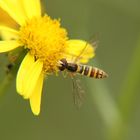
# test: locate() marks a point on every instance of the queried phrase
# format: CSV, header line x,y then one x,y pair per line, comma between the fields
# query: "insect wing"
x,y
79,51
78,93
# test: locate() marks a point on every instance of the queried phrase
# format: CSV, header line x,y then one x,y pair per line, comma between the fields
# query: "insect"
x,y
82,69
75,68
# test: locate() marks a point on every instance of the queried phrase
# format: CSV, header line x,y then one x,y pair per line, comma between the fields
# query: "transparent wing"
x,y
79,51
78,92
79,56
91,43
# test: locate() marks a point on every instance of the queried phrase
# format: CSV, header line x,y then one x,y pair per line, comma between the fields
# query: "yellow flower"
x,y
8,21
46,43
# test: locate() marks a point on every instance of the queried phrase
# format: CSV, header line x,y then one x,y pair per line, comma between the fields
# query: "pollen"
x,y
46,40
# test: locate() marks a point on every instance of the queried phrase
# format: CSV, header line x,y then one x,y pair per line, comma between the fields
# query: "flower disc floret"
x,y
46,40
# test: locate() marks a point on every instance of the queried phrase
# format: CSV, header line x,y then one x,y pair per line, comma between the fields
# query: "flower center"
x,y
46,41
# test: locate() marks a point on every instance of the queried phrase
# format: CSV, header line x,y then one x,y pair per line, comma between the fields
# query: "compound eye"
x,y
63,60
63,64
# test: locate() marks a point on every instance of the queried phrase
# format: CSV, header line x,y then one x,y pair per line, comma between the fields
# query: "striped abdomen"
x,y
91,71
81,69
86,70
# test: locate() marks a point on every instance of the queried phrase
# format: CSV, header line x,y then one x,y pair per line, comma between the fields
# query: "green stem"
x,y
108,110
128,93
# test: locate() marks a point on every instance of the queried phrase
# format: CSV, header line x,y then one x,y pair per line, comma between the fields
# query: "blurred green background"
x,y
112,109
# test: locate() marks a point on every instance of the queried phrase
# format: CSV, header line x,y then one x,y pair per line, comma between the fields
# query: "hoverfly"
x,y
75,68
86,70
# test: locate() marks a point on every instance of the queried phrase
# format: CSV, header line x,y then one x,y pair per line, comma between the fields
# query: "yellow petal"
x,y
7,33
5,19
4,28
24,67
31,78
32,8
14,9
35,99
79,51
8,45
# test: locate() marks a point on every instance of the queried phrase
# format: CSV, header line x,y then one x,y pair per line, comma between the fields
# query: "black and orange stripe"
x,y
90,71
82,69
